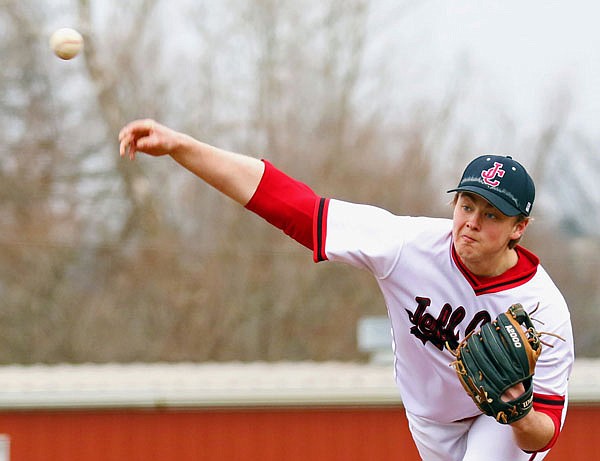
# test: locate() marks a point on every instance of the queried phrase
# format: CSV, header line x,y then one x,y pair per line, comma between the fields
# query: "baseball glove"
x,y
498,356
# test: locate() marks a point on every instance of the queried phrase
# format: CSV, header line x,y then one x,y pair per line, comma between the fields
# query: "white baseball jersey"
x,y
431,299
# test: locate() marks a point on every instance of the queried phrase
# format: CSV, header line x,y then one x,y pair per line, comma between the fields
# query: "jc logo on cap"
x,y
489,175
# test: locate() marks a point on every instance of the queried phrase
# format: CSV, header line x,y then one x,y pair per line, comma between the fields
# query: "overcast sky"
x,y
511,59
521,51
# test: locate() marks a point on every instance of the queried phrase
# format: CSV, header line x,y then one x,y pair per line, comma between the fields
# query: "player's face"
x,y
481,234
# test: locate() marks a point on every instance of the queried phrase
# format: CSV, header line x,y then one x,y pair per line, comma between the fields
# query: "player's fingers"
x,y
123,133
129,148
137,128
128,130
143,127
140,136
125,144
149,144
132,150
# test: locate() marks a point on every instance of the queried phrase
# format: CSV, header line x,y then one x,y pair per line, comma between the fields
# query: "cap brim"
x,y
493,199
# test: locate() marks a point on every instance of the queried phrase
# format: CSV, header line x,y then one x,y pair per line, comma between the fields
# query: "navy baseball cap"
x,y
500,180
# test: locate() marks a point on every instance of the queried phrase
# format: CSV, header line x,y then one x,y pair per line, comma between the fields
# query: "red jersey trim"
x,y
520,274
320,230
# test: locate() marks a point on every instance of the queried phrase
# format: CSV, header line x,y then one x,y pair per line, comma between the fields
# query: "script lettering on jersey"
x,y
440,330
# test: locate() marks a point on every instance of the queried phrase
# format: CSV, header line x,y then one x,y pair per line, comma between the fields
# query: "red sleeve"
x,y
288,204
552,405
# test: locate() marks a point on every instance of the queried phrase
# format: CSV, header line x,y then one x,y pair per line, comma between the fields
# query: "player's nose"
x,y
473,221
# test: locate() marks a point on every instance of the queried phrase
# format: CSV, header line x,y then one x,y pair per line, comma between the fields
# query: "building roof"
x,y
217,385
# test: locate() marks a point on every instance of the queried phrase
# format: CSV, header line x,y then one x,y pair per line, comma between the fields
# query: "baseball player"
x,y
441,280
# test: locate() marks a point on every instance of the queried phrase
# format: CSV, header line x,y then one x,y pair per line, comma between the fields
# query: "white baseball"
x,y
66,43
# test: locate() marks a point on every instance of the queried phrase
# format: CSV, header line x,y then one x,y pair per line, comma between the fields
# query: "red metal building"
x,y
266,412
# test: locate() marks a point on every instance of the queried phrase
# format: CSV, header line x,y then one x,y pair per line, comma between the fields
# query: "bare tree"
x,y
108,260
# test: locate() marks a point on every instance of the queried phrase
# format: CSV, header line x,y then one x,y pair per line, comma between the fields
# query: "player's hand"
x,y
149,137
513,392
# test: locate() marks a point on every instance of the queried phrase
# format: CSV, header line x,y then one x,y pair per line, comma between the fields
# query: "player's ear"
x,y
519,228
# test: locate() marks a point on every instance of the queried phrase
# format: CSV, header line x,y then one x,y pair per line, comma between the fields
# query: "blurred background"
x,y
381,102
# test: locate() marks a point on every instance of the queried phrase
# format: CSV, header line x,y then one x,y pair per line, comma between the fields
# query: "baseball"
x,y
66,43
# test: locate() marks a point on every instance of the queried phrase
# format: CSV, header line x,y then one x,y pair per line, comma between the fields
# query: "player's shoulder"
x,y
340,209
432,224
549,291
541,291
544,284
426,229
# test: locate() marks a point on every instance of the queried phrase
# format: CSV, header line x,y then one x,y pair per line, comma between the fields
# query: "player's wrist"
x,y
533,431
183,144
524,423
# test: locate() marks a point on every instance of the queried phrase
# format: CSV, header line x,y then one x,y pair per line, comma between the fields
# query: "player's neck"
x,y
493,267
